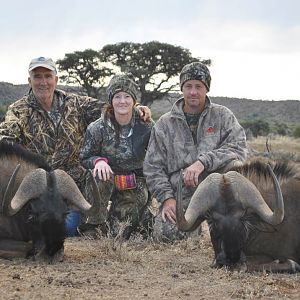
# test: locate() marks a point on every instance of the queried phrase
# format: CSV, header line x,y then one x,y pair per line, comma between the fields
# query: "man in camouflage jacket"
x,y
51,122
197,136
28,124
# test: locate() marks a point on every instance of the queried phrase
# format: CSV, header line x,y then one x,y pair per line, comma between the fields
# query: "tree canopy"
x,y
84,68
154,66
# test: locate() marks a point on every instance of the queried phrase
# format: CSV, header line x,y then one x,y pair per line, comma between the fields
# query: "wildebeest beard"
x,y
228,235
47,221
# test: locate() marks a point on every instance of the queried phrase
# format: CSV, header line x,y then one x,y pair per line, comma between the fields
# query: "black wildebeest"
x,y
34,202
253,213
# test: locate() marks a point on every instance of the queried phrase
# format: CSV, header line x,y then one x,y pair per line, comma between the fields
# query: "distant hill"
x,y
10,92
244,109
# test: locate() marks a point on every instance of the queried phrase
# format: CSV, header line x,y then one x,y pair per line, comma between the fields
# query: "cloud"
x,y
254,45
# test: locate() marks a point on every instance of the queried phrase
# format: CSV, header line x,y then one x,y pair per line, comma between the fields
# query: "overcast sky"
x,y
254,44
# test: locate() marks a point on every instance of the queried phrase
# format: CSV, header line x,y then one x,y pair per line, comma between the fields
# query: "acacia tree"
x,y
154,65
85,69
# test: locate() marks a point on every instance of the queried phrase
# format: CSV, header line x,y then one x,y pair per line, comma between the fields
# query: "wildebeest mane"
x,y
257,171
9,149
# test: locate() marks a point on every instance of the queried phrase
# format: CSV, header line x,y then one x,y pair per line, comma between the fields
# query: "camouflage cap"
x,y
44,62
195,71
122,82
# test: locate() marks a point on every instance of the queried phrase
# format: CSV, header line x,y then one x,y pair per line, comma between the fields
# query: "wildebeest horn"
x,y
205,197
247,193
32,185
96,196
70,191
8,190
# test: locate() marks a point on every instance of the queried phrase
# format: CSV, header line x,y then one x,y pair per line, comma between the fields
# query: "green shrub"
x,y
257,127
280,128
3,109
296,132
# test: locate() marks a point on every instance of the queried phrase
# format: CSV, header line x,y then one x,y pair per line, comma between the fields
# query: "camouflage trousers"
x,y
168,232
128,206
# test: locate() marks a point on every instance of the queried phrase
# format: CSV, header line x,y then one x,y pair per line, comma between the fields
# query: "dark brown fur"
x,y
9,150
238,234
40,221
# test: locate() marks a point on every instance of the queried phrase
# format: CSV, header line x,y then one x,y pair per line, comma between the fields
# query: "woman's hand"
x,y
103,170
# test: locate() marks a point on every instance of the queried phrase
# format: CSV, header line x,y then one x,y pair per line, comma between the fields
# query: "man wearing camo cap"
x,y
197,136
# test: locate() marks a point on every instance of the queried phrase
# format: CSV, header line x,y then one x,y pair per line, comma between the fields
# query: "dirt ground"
x,y
137,269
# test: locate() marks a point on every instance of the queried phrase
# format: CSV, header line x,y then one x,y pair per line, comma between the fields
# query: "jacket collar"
x,y
177,108
59,97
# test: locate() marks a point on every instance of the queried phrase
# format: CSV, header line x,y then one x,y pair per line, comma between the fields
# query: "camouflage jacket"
x,y
59,142
220,140
123,156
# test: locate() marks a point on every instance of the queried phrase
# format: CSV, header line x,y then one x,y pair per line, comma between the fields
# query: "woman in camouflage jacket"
x,y
114,147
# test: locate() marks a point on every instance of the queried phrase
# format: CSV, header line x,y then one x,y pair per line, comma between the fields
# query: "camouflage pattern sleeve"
x,y
91,108
155,166
91,145
232,145
10,128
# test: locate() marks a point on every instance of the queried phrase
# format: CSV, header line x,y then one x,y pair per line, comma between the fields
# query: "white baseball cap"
x,y
44,62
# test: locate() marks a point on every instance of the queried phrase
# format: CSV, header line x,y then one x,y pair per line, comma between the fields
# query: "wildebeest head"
x,y
223,200
228,234
39,201
45,195
46,219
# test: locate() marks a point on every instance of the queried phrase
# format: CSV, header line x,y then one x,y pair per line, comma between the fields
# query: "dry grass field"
x,y
109,268
280,147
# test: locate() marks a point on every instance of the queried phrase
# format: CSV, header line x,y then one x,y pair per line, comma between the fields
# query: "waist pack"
x,y
125,182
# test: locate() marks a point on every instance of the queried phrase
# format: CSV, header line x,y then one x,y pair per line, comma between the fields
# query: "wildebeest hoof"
x,y
241,267
215,265
41,256
294,266
57,257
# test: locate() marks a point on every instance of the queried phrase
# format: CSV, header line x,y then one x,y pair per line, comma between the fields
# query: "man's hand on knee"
x,y
168,212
